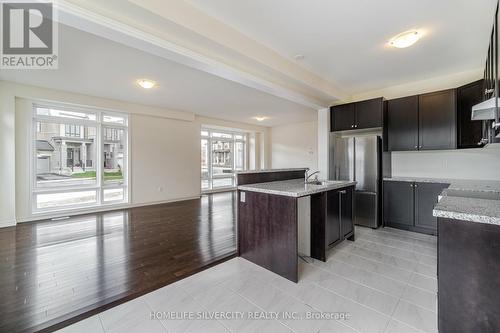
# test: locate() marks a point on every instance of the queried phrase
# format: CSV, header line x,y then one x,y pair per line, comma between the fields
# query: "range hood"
x,y
485,110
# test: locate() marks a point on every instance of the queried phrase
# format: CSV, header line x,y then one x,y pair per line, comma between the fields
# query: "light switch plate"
x,y
242,197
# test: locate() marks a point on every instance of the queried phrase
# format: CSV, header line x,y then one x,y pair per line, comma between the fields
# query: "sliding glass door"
x,y
222,153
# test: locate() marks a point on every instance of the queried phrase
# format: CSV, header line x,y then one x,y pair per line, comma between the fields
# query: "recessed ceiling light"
x,y
260,118
298,57
146,84
405,39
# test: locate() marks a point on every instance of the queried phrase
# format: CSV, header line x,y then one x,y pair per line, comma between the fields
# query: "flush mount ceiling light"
x,y
405,39
260,118
298,57
146,84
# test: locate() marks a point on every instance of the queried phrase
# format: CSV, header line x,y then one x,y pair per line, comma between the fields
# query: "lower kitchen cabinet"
x,y
426,197
398,204
339,215
409,205
468,277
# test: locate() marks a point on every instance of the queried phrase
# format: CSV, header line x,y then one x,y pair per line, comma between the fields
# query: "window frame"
x,y
232,141
99,185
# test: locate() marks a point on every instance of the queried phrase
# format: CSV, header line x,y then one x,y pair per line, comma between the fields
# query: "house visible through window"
x,y
222,153
80,158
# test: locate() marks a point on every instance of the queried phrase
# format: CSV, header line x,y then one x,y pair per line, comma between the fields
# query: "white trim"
x,y
8,223
98,209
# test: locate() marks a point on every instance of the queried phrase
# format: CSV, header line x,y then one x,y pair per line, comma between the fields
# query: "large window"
x,y
222,153
79,158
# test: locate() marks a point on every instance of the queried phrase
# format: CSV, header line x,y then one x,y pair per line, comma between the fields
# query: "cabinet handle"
x,y
352,126
415,185
356,126
416,147
343,192
419,147
489,91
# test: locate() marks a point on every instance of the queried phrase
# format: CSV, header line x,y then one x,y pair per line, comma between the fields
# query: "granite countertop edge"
x,y
296,193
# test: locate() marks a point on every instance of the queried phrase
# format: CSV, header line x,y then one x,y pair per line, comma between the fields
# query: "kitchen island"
x,y
468,215
270,214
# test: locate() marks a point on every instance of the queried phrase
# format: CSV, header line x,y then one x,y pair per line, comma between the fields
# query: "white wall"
x,y
165,163
165,148
474,163
323,143
295,145
7,158
423,86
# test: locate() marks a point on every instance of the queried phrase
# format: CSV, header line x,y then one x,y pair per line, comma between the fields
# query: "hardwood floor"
x,y
54,273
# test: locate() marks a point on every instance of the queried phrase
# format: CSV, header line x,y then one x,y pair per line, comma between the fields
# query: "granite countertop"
x,y
465,199
269,170
295,187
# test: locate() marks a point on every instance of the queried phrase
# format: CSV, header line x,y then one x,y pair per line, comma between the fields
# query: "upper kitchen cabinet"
x,y
469,132
359,115
369,113
402,124
342,117
437,120
422,122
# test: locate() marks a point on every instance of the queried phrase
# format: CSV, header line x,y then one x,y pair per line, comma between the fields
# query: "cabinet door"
x,y
426,197
346,211
398,203
369,113
333,232
437,120
342,117
469,132
402,124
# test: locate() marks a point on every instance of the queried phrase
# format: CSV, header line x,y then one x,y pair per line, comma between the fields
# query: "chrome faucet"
x,y
310,175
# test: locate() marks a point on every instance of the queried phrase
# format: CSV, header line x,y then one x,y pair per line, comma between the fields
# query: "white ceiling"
x,y
96,66
345,41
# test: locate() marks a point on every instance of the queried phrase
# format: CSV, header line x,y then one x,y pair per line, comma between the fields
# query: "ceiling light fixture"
x,y
405,39
260,118
298,57
146,84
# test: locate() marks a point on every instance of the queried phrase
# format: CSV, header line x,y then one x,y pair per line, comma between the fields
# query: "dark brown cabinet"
x,y
402,124
369,113
437,120
409,205
426,197
422,122
339,215
469,132
468,271
398,204
343,117
358,115
333,218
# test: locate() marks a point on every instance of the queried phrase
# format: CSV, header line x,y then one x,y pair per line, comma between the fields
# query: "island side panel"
x,y
468,276
318,226
267,232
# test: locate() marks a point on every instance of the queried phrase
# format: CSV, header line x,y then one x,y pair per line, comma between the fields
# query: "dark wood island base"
x,y
268,226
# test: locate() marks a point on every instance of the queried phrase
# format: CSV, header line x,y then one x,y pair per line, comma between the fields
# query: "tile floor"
x,y
384,282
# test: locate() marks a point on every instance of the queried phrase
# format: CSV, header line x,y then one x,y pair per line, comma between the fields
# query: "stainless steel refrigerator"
x,y
359,159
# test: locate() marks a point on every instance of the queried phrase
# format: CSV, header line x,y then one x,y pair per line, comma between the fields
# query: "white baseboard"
x,y
91,210
7,223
